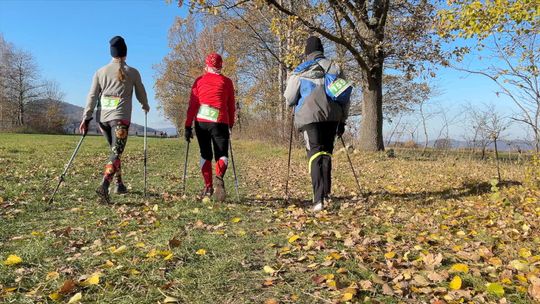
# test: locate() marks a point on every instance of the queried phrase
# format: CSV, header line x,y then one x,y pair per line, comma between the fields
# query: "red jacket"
x,y
216,91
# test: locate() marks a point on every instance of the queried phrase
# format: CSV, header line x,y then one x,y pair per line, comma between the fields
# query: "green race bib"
x,y
338,86
207,112
110,102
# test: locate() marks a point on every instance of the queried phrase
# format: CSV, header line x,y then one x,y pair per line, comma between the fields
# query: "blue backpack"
x,y
337,89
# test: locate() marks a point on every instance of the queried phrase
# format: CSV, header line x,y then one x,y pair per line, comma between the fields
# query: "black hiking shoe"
x,y
207,192
219,185
120,189
103,193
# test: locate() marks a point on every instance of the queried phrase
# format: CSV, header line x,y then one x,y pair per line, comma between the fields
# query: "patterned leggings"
x,y
116,133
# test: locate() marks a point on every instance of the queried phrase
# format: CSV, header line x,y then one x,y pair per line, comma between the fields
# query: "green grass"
x,y
416,209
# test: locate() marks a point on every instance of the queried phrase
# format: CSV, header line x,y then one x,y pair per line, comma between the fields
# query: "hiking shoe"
x,y
220,189
120,189
103,193
317,207
207,191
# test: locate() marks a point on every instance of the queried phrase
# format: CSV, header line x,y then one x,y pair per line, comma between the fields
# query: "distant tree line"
x,y
28,103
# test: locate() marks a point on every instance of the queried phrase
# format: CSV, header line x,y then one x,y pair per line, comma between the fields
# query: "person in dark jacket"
x,y
212,106
318,117
112,91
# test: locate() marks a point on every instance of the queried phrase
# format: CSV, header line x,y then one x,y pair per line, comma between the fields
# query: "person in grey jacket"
x,y
318,117
112,90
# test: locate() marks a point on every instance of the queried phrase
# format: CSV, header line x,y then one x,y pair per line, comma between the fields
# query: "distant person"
x,y
112,90
212,106
317,115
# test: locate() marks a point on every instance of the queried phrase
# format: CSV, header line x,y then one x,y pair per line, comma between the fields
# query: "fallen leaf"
x,y
236,220
174,242
119,250
108,264
524,253
201,252
53,275
76,298
67,287
347,297
169,299
12,259
269,269
519,265
455,284
534,288
459,268
389,255
91,280
55,296
37,233
293,238
496,289
420,280
387,290
134,272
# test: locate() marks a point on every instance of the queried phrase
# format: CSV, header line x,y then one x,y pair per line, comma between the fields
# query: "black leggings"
x,y
319,139
212,134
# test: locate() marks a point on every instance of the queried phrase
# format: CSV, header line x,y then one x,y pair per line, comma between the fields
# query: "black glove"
x,y
340,129
188,134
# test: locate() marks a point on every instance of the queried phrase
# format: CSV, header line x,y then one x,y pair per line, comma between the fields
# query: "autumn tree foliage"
x,y
251,59
374,35
506,36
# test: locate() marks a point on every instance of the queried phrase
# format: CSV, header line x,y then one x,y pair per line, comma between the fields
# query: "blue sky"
x,y
69,40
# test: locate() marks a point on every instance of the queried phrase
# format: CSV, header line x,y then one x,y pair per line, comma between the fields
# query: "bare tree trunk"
x,y
372,117
536,141
425,128
391,135
497,160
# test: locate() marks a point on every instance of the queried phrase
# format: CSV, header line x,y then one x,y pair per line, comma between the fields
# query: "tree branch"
x,y
324,33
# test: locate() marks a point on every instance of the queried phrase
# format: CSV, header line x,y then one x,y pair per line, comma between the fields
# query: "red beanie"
x,y
214,60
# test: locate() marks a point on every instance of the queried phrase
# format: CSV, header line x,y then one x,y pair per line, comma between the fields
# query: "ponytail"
x,y
121,72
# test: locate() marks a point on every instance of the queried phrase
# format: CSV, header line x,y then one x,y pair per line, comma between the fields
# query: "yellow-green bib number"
x,y
110,102
207,112
339,86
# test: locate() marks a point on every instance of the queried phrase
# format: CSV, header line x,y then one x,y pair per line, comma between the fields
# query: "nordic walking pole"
x,y
185,171
62,177
350,163
145,146
234,171
289,160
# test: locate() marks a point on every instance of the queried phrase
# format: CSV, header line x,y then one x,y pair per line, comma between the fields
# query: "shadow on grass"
x,y
281,202
465,190
370,199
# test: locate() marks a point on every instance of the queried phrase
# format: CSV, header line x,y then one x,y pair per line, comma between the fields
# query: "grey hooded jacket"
x,y
113,96
305,91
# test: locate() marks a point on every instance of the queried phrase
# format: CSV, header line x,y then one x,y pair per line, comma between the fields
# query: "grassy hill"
x,y
73,114
421,231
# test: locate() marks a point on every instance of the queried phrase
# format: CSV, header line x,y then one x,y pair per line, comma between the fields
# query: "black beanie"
x,y
313,44
118,47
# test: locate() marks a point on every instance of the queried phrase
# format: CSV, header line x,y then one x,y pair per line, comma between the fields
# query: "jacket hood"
x,y
314,67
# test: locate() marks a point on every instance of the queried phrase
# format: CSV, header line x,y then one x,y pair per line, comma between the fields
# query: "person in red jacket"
x,y
212,106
